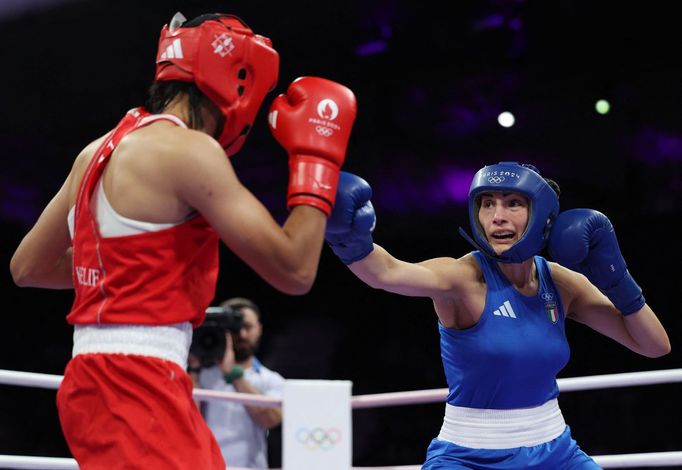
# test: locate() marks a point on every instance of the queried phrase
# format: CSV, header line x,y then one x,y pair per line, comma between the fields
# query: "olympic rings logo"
x,y
318,438
324,131
495,179
547,296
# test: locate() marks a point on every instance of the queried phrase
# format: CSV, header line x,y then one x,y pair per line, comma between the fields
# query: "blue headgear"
x,y
544,207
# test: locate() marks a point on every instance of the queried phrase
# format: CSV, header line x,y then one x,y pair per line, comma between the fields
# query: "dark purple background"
x,y
430,82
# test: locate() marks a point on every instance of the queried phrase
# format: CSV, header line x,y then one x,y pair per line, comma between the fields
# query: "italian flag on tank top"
x,y
552,312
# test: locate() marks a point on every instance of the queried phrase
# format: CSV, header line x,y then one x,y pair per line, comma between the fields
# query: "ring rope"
x,y
571,384
628,379
658,459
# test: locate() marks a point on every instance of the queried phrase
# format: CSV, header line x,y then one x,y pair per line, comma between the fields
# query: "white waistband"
x,y
502,429
169,342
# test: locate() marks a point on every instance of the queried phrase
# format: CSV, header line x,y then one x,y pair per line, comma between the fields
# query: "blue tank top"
x,y
511,357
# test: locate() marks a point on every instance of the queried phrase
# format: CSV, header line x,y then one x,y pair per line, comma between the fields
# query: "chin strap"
x,y
486,252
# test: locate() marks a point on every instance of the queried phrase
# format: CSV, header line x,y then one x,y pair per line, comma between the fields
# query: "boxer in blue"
x,y
501,311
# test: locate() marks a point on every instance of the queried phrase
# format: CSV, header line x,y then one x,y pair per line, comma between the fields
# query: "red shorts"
x,y
129,412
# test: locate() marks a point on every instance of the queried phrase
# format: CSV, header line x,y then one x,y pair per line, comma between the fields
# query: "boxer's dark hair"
x,y
162,93
554,185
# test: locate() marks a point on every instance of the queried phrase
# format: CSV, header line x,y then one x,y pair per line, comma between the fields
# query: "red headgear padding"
x,y
231,65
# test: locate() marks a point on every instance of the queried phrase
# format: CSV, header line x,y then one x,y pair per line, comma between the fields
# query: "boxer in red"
x,y
134,230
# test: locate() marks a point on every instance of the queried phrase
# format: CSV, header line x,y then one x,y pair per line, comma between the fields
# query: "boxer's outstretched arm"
x,y
432,278
349,234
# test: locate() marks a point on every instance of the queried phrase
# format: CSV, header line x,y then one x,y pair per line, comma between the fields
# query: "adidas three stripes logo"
x,y
505,310
174,51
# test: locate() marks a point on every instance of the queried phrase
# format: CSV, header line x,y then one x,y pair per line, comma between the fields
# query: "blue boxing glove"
x,y
350,225
584,240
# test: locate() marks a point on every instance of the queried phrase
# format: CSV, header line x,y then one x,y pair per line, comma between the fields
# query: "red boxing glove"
x,y
313,121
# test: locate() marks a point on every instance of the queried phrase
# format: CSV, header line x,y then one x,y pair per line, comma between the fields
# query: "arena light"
x,y
602,106
506,119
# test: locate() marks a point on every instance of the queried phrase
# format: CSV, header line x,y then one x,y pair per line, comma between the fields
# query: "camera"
x,y
208,341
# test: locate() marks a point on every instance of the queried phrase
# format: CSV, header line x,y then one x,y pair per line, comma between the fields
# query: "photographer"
x,y
222,357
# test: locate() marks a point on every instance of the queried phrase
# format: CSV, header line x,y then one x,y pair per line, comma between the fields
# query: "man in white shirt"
x,y
241,431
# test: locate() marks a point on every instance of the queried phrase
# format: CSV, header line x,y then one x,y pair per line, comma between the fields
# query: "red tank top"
x,y
154,278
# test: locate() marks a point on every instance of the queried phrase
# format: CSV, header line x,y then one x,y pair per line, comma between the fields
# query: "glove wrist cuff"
x,y
354,251
312,176
309,200
626,295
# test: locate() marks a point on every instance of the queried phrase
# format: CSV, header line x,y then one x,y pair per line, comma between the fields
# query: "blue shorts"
x,y
561,453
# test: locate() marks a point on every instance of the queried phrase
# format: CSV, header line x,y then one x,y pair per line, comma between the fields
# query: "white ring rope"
x,y
572,384
236,397
651,459
49,463
31,379
52,463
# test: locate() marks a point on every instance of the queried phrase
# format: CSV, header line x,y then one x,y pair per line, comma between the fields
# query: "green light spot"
x,y
602,106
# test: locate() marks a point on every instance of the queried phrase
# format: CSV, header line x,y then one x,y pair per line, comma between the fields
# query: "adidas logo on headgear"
x,y
174,51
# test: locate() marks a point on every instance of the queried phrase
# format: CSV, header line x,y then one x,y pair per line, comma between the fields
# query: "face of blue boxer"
x,y
503,216
514,223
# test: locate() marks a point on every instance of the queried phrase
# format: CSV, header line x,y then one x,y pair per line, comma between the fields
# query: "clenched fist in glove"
x,y
349,229
584,240
313,122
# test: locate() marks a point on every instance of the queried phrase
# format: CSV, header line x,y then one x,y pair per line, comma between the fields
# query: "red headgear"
x,y
231,65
